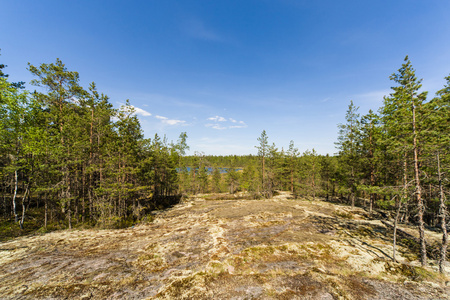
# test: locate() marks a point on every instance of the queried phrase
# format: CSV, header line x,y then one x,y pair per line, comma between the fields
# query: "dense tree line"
x,y
399,158
66,151
263,174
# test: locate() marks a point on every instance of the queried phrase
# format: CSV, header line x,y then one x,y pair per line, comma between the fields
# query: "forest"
x,y
69,159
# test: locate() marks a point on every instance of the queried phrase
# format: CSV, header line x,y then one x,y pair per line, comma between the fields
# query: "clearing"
x,y
225,249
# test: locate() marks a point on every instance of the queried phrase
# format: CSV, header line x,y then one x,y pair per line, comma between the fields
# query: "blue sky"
x,y
223,71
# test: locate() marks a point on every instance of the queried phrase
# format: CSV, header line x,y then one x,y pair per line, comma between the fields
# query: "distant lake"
x,y
210,170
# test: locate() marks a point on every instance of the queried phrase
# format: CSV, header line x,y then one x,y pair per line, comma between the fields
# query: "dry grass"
x,y
222,249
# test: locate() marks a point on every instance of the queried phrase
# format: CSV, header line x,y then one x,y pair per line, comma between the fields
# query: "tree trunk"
x,y
420,205
443,215
398,205
83,188
314,182
14,198
5,204
372,171
46,212
352,195
23,206
372,184
292,181
69,214
263,176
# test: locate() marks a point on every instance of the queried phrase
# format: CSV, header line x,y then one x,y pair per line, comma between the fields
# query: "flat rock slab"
x,y
221,249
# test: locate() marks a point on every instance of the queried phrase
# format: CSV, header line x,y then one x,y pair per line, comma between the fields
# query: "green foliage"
x,y
66,149
87,162
216,181
348,145
233,179
310,172
250,180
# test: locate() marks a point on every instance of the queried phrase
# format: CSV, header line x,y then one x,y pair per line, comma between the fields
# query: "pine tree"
x,y
250,180
328,167
401,112
370,154
437,146
263,151
292,164
63,90
348,149
14,124
311,173
216,181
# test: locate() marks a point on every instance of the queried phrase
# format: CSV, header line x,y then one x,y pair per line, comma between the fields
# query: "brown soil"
x,y
223,249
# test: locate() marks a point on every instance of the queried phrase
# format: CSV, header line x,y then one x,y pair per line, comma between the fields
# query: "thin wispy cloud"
x,y
373,96
237,126
370,100
221,123
198,30
174,122
155,100
217,119
75,100
168,121
141,112
216,126
432,85
164,120
135,110
274,102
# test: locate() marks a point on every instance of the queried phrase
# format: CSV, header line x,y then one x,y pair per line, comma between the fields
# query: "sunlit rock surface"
x,y
225,249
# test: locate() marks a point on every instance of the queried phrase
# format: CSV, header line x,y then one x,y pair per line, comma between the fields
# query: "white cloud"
x,y
140,111
173,122
242,124
75,100
216,126
168,121
164,120
217,119
222,120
